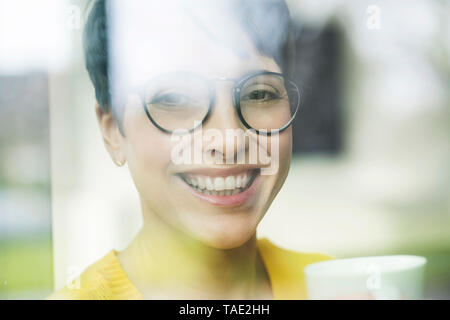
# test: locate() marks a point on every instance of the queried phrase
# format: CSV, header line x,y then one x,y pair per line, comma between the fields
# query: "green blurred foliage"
x,y
26,268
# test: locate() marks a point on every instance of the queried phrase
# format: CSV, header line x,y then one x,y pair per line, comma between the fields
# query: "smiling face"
x,y
215,202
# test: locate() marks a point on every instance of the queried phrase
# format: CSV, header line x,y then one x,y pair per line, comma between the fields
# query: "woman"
x,y
194,97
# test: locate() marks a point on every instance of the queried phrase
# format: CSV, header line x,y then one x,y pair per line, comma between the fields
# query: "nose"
x,y
225,134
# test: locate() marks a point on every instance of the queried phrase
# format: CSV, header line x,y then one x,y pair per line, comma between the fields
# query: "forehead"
x,y
149,38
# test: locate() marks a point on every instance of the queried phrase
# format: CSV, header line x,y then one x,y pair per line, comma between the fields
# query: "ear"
x,y
112,137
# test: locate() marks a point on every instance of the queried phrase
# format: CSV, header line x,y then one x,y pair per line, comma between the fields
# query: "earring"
x,y
119,163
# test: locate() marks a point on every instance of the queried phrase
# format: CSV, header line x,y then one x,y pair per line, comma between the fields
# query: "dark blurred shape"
x,y
318,126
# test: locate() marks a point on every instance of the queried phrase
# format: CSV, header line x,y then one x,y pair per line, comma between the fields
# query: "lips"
x,y
222,188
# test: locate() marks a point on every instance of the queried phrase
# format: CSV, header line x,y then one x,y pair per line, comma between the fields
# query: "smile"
x,y
223,189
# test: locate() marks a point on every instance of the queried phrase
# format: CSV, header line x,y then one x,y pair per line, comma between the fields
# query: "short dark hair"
x,y
267,23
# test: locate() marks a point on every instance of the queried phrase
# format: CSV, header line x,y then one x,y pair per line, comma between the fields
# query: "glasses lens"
x,y
178,101
268,102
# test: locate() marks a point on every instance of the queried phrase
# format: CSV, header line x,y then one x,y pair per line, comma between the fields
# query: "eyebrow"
x,y
212,78
254,71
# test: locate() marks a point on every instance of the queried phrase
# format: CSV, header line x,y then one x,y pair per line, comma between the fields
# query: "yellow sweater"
x,y
106,280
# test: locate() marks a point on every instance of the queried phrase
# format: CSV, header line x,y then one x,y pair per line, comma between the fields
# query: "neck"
x,y
163,262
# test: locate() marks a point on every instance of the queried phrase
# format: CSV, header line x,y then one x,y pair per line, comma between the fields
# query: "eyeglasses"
x,y
265,101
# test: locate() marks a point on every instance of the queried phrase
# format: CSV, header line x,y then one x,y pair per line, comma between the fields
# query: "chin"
x,y
227,238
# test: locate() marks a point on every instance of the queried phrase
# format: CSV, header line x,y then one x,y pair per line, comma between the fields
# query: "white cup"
x,y
379,277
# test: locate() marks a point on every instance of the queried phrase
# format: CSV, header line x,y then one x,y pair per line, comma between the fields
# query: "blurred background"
x,y
370,173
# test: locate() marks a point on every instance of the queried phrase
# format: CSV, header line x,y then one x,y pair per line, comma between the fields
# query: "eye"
x,y
260,95
170,99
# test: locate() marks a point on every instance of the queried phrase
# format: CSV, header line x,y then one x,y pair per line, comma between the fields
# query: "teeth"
x,y
238,181
220,186
209,184
201,182
230,183
244,180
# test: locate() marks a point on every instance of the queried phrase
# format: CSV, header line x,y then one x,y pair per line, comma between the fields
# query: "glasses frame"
x,y
239,83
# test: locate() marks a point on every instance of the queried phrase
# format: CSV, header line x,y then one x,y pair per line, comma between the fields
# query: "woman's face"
x,y
177,194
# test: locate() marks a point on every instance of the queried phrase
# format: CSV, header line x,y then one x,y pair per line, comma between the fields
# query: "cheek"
x,y
146,148
147,154
286,147
283,158
280,150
